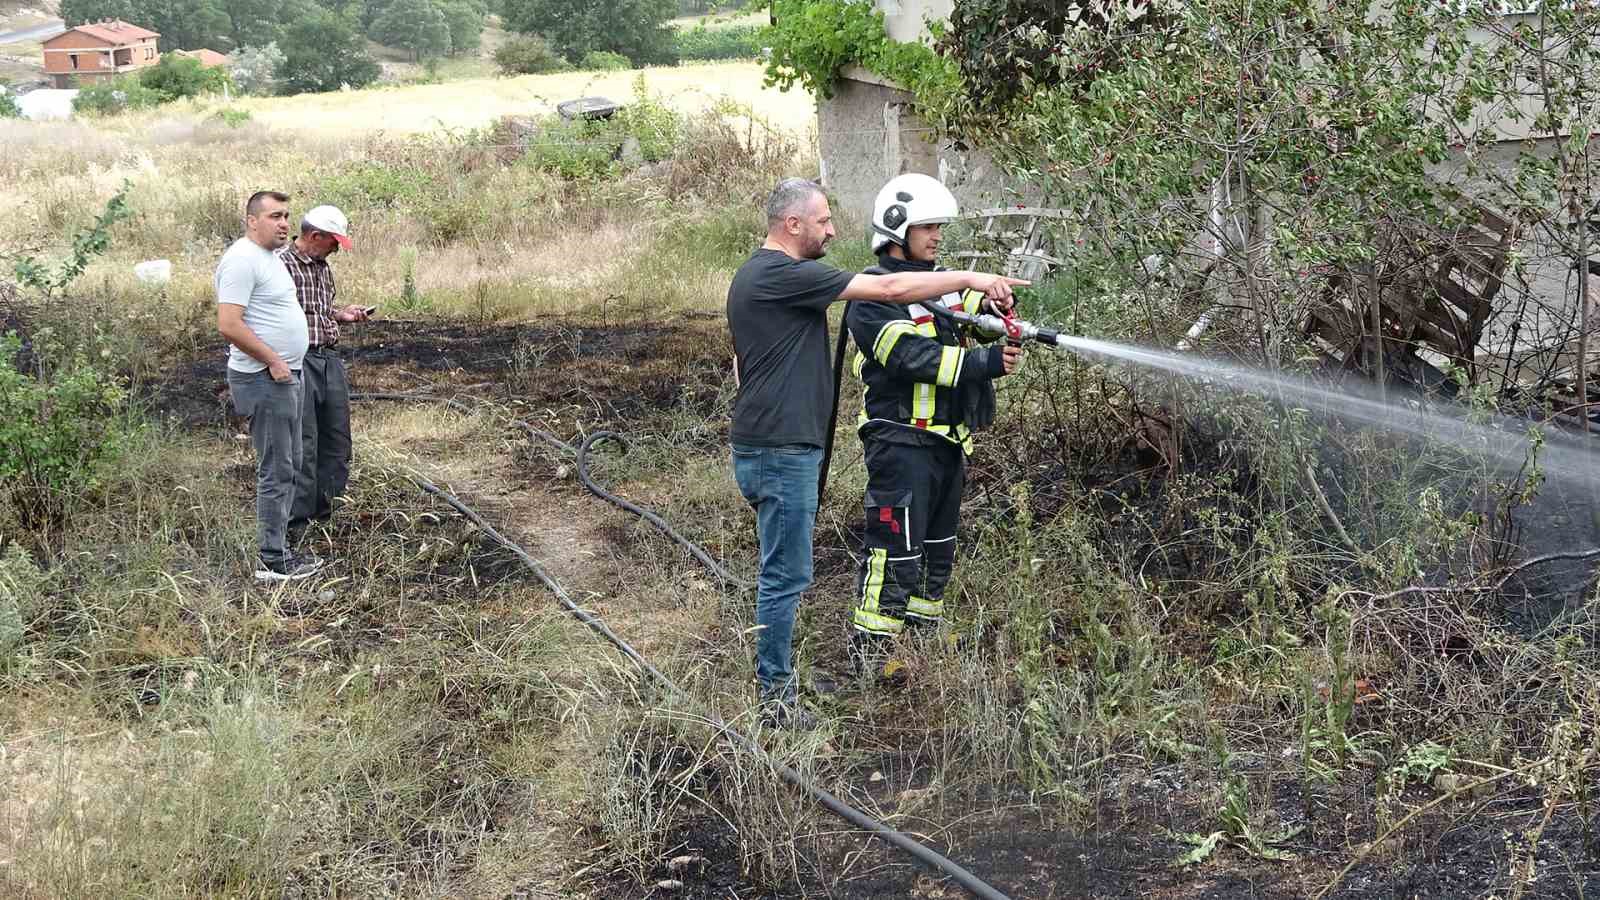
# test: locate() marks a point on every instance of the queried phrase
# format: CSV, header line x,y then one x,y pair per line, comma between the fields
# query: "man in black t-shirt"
x,y
777,312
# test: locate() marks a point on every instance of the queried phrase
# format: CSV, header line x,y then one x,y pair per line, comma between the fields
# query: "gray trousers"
x,y
274,411
325,438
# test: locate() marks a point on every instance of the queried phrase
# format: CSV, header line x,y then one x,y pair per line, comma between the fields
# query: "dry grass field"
x,y
474,103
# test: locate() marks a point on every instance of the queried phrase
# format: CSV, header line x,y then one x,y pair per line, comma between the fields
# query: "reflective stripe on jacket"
x,y
913,364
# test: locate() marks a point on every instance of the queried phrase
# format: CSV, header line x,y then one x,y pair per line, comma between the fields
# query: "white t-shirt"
x,y
254,278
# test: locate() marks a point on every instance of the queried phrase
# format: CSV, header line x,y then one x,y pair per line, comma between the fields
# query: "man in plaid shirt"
x,y
325,389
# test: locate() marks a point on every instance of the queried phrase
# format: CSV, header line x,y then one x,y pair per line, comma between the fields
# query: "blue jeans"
x,y
780,483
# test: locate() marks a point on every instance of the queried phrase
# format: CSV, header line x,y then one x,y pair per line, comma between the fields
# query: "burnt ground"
x,y
616,374
1124,845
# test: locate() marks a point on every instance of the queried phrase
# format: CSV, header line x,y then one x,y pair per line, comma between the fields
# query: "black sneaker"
x,y
294,568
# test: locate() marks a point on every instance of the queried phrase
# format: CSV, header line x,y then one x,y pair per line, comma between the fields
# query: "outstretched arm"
x,y
915,287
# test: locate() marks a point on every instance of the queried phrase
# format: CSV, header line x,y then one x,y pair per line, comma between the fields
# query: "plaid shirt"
x,y
313,281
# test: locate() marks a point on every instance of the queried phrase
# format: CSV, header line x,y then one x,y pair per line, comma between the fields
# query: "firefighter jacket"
x,y
925,384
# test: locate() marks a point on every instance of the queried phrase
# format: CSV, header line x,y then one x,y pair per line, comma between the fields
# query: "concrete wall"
x,y
867,134
904,19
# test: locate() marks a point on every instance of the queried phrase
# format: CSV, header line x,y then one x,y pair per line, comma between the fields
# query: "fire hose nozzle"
x,y
1014,329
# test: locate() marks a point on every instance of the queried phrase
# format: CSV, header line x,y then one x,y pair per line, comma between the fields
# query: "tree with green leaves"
x,y
322,52
636,29
1278,156
415,25
465,21
175,77
255,69
78,12
182,24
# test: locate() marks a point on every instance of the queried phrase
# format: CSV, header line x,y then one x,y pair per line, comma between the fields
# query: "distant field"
x,y
476,102
726,20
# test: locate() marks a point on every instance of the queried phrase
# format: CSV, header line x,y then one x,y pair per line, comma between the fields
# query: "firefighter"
x,y
927,389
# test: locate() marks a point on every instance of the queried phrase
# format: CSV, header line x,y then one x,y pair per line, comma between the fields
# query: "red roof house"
x,y
102,49
208,58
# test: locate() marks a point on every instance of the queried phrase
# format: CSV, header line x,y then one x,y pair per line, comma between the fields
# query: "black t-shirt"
x,y
777,310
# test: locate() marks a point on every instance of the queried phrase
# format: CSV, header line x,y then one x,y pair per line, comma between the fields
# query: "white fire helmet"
x,y
907,200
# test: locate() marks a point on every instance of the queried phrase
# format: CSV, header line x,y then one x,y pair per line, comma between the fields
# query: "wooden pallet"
x,y
1434,315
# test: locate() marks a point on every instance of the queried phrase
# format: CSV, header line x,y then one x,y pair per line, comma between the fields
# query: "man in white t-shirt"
x,y
260,315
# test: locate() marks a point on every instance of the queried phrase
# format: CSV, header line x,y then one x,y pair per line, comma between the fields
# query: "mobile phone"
x,y
368,310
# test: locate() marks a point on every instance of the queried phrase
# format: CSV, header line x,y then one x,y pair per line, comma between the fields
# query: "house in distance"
x,y
103,49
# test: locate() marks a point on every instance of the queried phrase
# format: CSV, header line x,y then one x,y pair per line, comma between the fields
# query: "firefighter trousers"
x,y
913,505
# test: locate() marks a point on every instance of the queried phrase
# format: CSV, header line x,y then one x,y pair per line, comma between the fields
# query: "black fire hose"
x,y
641,512
833,413
833,804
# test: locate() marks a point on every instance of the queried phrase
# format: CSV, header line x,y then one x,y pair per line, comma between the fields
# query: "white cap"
x,y
330,220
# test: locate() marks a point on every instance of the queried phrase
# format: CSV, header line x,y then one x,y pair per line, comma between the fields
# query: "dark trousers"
x,y
274,412
913,507
324,466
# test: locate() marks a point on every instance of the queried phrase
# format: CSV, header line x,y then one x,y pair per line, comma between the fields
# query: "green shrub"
x,y
637,29
592,148
255,69
655,125
49,280
8,107
528,54
113,95
375,184
233,118
63,424
577,150
731,42
604,61
176,77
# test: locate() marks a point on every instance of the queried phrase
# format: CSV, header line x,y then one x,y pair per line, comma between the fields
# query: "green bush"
x,y
376,185
113,95
233,118
732,42
176,77
656,126
593,148
51,279
8,107
637,29
528,55
63,424
604,61
577,150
